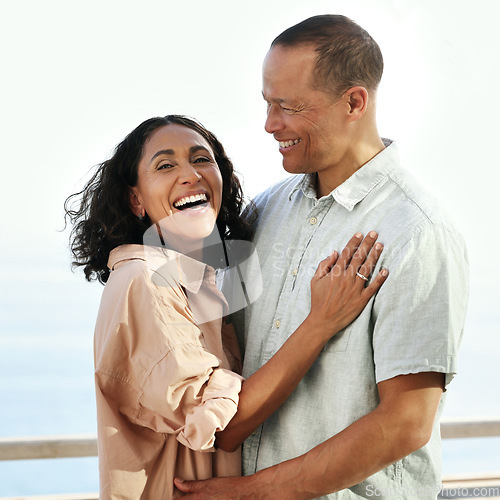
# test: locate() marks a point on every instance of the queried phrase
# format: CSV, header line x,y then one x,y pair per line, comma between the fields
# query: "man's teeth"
x,y
190,199
287,144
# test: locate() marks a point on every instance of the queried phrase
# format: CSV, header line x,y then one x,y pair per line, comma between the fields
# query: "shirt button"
x,y
313,220
294,272
277,323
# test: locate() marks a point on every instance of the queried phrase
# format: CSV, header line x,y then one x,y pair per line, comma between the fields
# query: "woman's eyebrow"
x,y
171,152
195,149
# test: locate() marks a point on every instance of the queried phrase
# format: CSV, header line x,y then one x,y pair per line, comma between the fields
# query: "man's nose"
x,y
274,121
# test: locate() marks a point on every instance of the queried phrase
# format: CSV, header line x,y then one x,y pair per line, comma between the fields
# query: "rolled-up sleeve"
x,y
189,395
219,404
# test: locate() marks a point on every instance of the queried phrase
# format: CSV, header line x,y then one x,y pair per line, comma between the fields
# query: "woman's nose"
x,y
188,174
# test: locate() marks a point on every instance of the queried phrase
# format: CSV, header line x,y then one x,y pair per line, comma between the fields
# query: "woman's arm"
x,y
338,295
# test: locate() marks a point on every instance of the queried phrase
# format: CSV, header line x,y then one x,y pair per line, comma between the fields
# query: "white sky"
x,y
78,76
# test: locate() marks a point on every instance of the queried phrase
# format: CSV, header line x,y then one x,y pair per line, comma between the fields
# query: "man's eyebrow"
x,y
278,100
171,152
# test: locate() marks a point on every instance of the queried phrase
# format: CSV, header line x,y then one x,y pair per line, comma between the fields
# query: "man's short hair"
x,y
347,55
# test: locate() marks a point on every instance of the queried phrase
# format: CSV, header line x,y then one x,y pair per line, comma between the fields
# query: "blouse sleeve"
x,y
182,390
189,395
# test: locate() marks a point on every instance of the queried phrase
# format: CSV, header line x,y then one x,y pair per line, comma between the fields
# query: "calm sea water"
x,y
46,388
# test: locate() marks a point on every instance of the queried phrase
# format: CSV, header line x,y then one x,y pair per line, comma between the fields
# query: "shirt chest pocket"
x,y
338,343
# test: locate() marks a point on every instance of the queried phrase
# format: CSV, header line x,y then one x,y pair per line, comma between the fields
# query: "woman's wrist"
x,y
320,329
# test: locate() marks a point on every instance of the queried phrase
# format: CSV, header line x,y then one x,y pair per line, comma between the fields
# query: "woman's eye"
x,y
163,166
201,159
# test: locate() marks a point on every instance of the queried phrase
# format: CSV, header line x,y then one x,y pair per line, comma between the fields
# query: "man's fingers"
x,y
223,488
188,486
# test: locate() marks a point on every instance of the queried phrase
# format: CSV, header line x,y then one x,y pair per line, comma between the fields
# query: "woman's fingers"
x,y
349,250
365,260
376,282
361,256
340,288
366,268
357,260
325,266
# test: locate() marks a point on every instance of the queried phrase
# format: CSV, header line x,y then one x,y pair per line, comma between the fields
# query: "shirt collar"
x,y
189,272
356,187
307,185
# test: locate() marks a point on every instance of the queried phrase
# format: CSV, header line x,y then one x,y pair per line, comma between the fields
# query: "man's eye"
x,y
288,110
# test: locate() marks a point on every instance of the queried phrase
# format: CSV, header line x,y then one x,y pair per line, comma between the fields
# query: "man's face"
x,y
309,124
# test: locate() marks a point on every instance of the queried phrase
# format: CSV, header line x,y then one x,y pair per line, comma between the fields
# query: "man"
x,y
364,421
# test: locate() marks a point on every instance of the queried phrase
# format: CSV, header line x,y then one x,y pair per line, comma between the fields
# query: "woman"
x,y
170,401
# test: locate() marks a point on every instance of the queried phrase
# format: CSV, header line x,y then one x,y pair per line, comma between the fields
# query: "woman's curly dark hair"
x,y
103,219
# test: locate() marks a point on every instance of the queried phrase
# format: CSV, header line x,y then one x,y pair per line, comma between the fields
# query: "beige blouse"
x,y
165,375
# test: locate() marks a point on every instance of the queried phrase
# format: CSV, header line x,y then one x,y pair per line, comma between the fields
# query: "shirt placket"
x,y
278,332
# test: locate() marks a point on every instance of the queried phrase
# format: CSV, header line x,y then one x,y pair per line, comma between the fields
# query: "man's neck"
x,y
329,180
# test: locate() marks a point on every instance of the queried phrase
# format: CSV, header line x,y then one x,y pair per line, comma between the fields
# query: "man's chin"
x,y
293,168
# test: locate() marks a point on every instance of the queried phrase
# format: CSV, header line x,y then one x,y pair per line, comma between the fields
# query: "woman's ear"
x,y
135,203
357,98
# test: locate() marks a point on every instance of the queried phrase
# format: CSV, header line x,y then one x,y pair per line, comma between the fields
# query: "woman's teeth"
x,y
190,199
287,144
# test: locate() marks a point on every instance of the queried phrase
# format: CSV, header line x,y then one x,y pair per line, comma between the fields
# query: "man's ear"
x,y
135,203
357,99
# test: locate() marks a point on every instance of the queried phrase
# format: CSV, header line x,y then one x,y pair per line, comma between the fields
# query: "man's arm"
x,y
400,425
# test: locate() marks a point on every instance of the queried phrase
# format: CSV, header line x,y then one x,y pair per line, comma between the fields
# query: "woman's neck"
x,y
209,249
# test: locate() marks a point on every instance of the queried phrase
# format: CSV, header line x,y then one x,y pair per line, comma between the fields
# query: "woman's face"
x,y
179,184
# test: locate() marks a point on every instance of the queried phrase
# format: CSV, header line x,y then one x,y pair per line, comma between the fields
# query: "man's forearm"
x,y
344,460
400,425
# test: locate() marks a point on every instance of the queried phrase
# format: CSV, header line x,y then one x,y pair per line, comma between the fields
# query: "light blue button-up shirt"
x,y
414,324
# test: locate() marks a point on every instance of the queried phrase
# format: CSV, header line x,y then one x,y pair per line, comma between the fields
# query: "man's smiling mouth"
x,y
287,144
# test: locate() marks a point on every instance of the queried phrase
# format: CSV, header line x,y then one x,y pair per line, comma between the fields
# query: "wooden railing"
x,y
468,428
22,448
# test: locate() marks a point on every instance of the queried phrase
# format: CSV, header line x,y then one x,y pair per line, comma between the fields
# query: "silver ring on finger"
x,y
361,276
